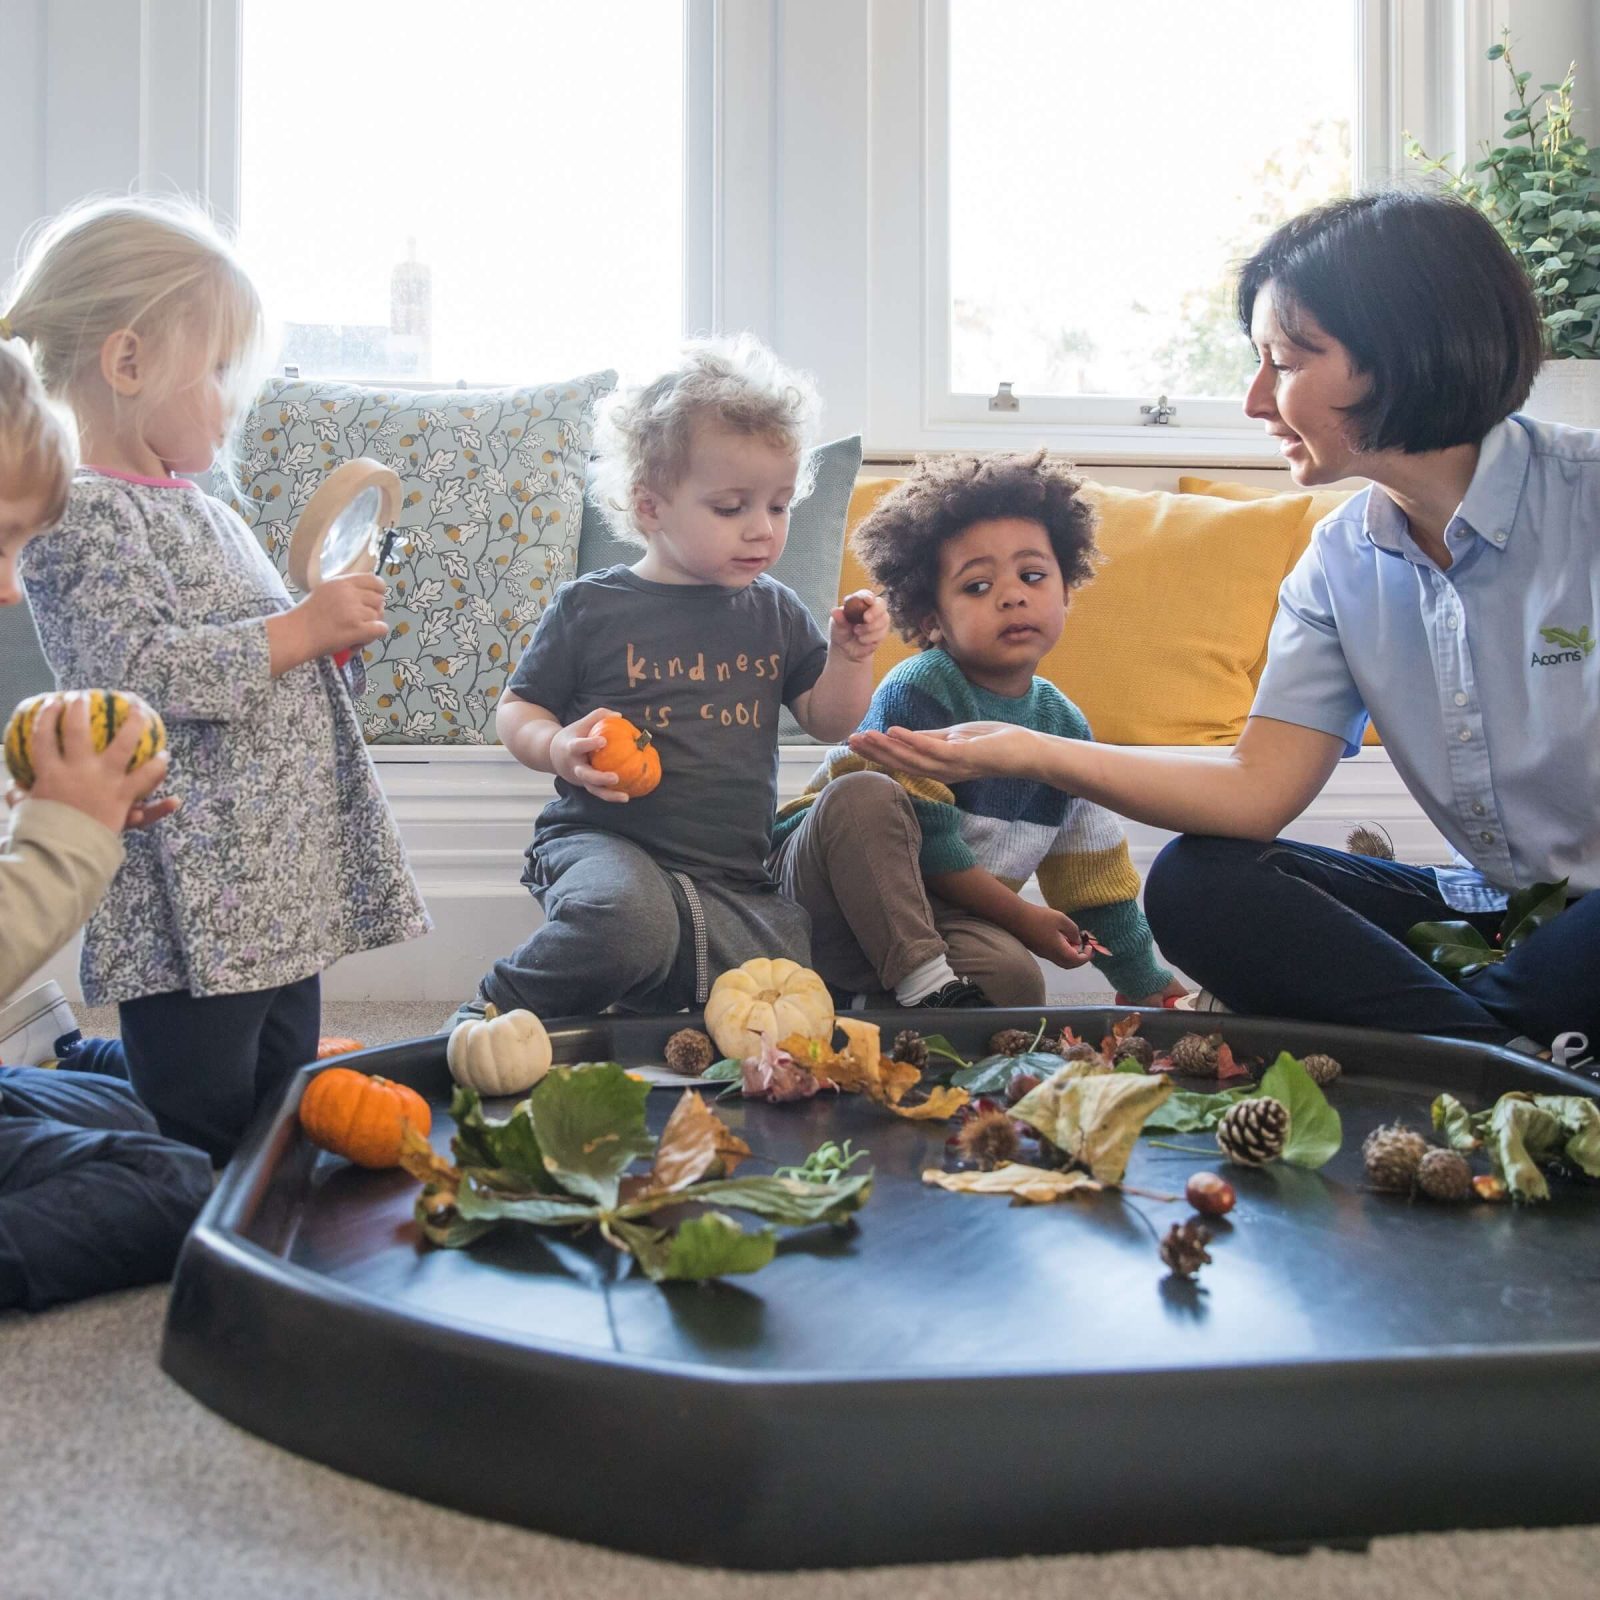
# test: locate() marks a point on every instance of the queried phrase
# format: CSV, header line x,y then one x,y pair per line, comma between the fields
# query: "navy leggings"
x,y
1295,930
203,1066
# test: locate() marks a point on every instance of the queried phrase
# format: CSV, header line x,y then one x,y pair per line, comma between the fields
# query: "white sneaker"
x,y
1202,1000
36,1027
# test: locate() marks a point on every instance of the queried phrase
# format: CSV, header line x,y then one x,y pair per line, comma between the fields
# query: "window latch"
x,y
1158,415
1003,399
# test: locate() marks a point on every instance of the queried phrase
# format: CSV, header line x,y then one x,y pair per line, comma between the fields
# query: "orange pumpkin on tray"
x,y
360,1116
629,752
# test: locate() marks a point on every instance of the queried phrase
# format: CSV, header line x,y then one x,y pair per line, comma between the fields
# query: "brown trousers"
x,y
852,863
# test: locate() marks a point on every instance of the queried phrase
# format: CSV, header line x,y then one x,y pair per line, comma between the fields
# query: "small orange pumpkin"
x,y
360,1117
629,752
330,1044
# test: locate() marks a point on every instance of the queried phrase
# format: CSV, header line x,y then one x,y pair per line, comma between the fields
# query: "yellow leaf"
x,y
1094,1116
941,1103
1037,1185
418,1158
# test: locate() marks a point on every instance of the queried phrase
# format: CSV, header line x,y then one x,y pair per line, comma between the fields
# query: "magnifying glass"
x,y
342,531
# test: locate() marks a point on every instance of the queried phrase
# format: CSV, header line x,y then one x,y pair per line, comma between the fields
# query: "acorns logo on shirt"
x,y
1569,646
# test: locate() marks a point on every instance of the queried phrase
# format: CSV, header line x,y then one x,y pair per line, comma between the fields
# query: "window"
x,y
1095,172
491,192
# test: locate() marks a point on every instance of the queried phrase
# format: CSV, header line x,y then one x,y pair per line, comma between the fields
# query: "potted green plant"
x,y
1541,189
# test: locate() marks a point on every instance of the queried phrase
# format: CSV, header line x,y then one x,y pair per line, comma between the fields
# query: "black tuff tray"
x,y
951,1377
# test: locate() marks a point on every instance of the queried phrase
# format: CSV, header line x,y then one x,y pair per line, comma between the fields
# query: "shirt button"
x,y
1454,619
1478,809
1488,838
1499,538
1465,736
1461,697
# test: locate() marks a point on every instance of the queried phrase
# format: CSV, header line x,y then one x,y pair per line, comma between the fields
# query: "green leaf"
x,y
724,1071
993,1074
1315,1132
938,1045
712,1246
787,1200
479,1201
1495,51
1520,1135
1188,1112
1462,1129
1529,909
590,1123
1580,1122
505,1150
1456,949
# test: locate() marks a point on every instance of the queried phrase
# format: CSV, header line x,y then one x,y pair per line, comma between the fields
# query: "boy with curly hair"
x,y
914,886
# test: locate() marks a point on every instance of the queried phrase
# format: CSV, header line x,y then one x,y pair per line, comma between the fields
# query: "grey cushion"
x,y
810,562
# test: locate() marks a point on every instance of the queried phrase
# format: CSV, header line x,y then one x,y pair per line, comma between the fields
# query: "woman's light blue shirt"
x,y
1483,680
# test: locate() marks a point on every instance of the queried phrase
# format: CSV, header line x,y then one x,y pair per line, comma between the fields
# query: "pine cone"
x,y
1195,1054
1445,1175
1392,1156
1184,1248
690,1052
1134,1048
1322,1069
1012,1042
989,1138
1369,842
1253,1132
909,1047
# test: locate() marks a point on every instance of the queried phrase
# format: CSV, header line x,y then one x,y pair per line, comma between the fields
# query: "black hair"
x,y
1432,306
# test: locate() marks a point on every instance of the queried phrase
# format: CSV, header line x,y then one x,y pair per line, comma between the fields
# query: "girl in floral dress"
x,y
282,856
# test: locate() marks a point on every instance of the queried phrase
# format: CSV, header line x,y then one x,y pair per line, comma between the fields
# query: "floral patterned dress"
x,y
284,856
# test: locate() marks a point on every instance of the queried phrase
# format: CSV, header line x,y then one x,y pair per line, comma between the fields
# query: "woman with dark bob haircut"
x,y
1455,602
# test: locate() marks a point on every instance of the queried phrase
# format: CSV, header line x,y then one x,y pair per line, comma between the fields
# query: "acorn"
x,y
989,1138
1445,1175
909,1047
1135,1048
1011,1042
1210,1195
1022,1083
1321,1069
690,1052
1195,1054
855,609
1392,1156
1253,1132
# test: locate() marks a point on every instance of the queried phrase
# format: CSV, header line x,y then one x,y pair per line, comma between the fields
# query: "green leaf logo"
x,y
1582,640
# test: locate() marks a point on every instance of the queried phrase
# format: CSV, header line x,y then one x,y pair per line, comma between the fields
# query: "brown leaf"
x,y
941,1103
1037,1185
694,1141
1120,1030
1227,1065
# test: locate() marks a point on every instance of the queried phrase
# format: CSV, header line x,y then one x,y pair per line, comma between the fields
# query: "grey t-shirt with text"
x,y
705,669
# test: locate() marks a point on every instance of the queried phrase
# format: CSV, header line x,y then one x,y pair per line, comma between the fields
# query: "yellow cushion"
x,y
1166,644
1323,501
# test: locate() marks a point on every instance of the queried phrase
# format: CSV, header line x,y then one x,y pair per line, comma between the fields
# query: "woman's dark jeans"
x,y
1295,930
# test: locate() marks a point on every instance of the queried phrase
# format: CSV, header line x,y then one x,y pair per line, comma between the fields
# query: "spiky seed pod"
x,y
909,1047
1392,1155
1184,1248
1134,1048
1445,1175
1012,1042
1253,1132
989,1138
1321,1069
690,1052
1195,1054
1366,841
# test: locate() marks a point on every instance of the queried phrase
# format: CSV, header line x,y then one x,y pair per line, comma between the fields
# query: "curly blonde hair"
x,y
38,443
643,435
157,267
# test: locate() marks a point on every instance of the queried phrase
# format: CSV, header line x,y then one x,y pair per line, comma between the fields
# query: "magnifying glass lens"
x,y
355,529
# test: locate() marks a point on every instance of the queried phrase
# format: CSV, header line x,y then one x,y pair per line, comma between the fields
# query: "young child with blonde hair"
x,y
283,856
647,900
91,1197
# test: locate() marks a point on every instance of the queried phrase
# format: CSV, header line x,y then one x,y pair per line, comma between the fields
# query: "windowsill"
x,y
1170,444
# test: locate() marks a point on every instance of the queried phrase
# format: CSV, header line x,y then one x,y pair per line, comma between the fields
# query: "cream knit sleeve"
x,y
53,870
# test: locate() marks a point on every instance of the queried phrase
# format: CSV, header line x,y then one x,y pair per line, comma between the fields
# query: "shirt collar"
x,y
1489,507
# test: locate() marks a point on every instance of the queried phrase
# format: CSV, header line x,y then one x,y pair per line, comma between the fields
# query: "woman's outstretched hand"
x,y
967,750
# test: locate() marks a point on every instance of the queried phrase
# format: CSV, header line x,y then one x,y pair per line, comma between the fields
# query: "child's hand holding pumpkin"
x,y
860,623
570,752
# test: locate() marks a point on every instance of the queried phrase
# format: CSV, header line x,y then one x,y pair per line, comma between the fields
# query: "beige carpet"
x,y
114,1483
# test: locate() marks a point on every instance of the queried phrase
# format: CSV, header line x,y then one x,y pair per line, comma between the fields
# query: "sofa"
x,y
1164,647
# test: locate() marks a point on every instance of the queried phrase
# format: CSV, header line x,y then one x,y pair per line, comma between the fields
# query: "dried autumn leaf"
x,y
420,1159
1122,1028
1227,1065
694,1141
774,1075
1094,1116
940,1104
1089,942
1037,1185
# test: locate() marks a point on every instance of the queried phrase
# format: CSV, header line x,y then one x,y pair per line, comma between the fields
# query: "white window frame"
x,y
1410,55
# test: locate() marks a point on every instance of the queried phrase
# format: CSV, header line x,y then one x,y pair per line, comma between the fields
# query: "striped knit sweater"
x,y
1015,828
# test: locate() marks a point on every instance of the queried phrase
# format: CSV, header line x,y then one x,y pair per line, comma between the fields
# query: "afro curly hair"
x,y
941,497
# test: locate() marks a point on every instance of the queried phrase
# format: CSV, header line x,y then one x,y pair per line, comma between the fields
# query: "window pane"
x,y
1108,166
490,191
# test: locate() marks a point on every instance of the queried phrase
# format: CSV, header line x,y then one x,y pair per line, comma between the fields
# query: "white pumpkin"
x,y
772,998
507,1053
